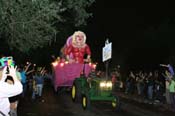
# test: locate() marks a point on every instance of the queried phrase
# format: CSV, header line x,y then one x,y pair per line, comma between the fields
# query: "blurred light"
x,y
118,66
66,62
58,58
106,85
94,66
54,63
62,64
102,84
90,63
109,84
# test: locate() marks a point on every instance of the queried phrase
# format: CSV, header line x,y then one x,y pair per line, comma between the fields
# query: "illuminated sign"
x,y
107,52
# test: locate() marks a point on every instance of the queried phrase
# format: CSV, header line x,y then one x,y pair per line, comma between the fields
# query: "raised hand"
x,y
164,65
12,72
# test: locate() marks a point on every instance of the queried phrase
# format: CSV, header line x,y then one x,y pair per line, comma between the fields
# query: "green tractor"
x,y
88,89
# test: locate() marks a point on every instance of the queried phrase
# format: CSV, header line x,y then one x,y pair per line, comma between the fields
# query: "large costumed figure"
x,y
76,48
74,51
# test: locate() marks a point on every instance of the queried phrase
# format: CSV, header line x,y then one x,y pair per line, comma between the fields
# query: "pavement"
x,y
142,102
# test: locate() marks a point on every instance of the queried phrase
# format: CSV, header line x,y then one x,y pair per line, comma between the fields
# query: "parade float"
x,y
72,70
71,62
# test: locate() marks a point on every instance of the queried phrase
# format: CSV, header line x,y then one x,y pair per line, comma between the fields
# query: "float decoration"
x,y
71,63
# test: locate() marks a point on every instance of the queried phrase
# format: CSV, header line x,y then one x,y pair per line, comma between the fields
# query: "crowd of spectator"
x,y
154,86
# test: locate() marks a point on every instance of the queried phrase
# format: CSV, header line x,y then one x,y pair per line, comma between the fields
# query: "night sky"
x,y
142,35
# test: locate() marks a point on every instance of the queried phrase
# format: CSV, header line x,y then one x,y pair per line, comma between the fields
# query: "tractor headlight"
x,y
106,85
102,84
109,84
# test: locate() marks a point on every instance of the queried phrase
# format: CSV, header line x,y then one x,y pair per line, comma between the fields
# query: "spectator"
x,y
114,81
138,84
130,83
8,90
172,93
34,87
158,88
24,72
14,99
150,86
167,76
39,83
142,83
170,68
13,105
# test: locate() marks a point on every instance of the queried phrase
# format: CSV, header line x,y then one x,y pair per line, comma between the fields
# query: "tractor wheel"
x,y
116,104
85,102
75,93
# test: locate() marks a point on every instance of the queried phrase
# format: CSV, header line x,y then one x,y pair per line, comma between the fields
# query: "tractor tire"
x,y
116,105
85,102
75,93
